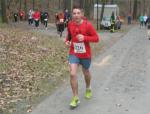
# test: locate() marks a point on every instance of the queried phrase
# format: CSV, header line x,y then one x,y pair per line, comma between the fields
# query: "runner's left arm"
x,y
92,35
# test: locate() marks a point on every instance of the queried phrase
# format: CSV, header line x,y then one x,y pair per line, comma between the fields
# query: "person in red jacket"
x,y
36,17
21,14
80,34
61,23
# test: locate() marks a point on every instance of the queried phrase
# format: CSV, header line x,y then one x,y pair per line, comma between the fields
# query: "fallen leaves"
x,y
30,67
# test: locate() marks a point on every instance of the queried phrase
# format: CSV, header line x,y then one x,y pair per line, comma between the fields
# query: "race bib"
x,y
79,48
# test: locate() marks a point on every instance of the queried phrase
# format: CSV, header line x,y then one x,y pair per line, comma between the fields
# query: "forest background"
x,y
134,7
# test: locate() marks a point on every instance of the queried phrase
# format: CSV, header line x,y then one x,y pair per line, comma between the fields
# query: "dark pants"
x,y
21,18
16,19
60,27
36,23
30,21
141,23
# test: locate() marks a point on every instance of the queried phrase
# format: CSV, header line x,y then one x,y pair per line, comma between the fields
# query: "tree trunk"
x,y
20,7
47,6
144,9
97,15
33,4
65,4
135,9
82,3
102,11
4,11
112,1
87,9
130,6
25,8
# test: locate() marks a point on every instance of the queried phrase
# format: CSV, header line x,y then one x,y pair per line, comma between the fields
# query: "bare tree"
x,y
112,2
97,1
130,6
135,9
4,11
25,8
144,8
103,8
33,4
87,8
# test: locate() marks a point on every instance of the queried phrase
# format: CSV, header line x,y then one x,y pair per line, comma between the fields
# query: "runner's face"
x,y
77,15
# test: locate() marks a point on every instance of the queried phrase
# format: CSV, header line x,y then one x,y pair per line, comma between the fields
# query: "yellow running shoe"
x,y
88,93
74,102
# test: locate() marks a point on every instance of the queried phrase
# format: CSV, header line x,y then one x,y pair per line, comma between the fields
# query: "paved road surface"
x,y
120,84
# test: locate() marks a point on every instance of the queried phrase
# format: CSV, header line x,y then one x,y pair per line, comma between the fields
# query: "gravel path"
x,y
120,81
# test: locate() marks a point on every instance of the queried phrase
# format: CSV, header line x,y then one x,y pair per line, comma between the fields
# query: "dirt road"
x,y
120,84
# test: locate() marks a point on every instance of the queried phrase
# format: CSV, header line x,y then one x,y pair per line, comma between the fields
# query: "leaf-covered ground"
x,y
31,67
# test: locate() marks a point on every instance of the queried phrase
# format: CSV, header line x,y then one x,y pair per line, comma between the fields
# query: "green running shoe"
x,y
88,93
74,102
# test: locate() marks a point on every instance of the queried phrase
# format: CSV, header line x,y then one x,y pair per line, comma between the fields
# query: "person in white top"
x,y
145,18
30,16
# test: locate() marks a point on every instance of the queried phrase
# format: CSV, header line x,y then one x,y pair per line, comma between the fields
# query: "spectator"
x,y
129,18
112,20
118,23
